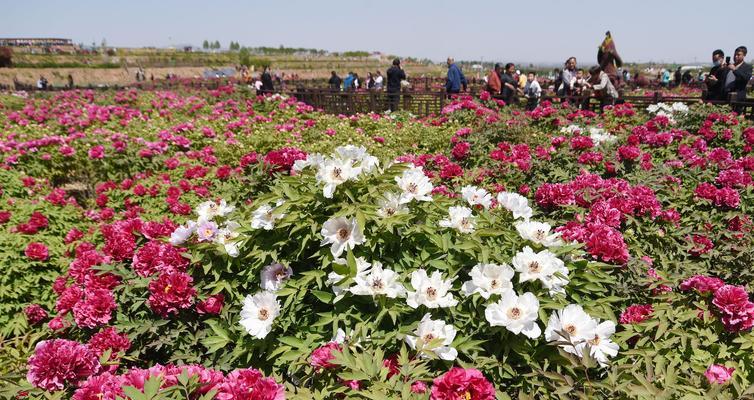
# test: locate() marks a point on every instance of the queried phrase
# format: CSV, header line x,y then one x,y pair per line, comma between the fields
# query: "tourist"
x,y
603,88
580,83
532,91
522,80
267,86
608,59
557,79
334,82
567,78
370,81
378,81
455,79
394,77
348,82
665,78
738,75
716,78
508,83
493,80
42,83
70,81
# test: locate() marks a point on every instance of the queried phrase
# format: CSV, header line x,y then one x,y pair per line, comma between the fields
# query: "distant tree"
x,y
244,58
205,44
6,57
104,43
216,45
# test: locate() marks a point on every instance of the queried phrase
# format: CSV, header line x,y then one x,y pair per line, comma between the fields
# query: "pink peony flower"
x,y
36,251
321,357
35,314
109,339
60,362
97,152
249,384
419,387
100,387
719,374
212,305
156,256
170,292
702,283
735,309
460,384
94,309
636,313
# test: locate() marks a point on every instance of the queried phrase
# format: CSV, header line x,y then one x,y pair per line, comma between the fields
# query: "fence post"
x,y
657,97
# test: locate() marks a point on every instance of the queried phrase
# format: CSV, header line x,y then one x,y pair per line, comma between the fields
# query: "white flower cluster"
x,y
346,164
209,228
260,310
265,216
668,110
574,331
599,136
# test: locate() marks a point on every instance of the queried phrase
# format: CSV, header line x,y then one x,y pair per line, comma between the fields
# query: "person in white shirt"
x,y
532,91
378,81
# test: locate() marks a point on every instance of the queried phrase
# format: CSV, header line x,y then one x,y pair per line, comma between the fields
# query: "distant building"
x,y
33,45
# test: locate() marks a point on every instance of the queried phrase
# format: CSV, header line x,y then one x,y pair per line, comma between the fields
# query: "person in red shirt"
x,y
493,80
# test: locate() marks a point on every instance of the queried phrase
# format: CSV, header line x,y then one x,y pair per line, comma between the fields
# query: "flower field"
x,y
209,244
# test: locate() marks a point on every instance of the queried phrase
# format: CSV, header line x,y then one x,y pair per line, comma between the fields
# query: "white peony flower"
x,y
599,136
539,233
206,231
432,292
342,234
535,266
518,314
274,276
181,234
264,217
334,172
258,313
415,185
208,210
556,282
572,325
570,129
600,346
333,278
434,336
391,205
358,155
312,160
516,204
488,279
477,196
378,282
227,236
679,107
459,218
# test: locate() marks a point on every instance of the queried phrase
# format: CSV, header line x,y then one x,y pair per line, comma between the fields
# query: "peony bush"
x,y
204,244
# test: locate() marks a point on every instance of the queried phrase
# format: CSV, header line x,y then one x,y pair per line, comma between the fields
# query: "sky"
x,y
536,31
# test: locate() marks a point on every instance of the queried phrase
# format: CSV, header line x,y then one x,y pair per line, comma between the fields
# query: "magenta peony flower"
x,y
249,384
109,339
419,387
60,362
702,283
170,292
97,152
212,305
36,251
100,387
636,313
35,314
460,383
156,256
735,309
94,309
719,374
321,357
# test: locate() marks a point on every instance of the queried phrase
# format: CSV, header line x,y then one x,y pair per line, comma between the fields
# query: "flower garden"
x,y
209,244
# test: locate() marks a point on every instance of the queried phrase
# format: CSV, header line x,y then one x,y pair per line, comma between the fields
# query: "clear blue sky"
x,y
500,30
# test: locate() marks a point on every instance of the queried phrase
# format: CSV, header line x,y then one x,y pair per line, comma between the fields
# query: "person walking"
x,y
493,80
370,81
455,80
348,82
334,82
394,77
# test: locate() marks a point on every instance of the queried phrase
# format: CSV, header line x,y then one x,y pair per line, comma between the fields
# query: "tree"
x,y
205,44
244,57
217,45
